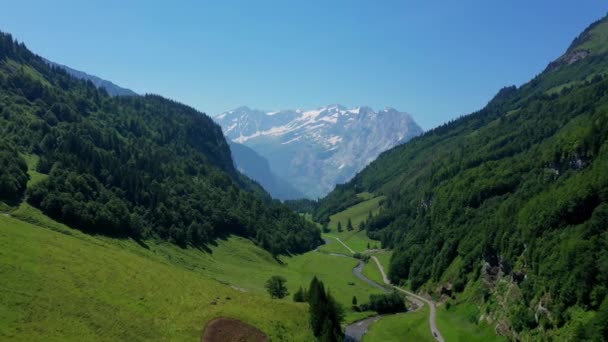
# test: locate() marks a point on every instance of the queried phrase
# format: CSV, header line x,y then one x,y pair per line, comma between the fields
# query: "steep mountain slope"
x,y
315,150
111,88
257,168
508,206
137,166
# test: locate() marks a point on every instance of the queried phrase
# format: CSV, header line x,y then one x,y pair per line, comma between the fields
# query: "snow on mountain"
x,y
317,149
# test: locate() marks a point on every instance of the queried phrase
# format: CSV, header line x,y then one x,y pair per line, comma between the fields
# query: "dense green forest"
x,y
140,166
517,191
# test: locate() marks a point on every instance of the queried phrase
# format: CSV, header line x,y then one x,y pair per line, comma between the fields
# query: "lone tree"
x,y
354,301
340,226
276,287
349,225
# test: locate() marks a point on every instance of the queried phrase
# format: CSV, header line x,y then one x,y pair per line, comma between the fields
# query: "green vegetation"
x,y
276,287
300,295
13,174
515,193
410,326
386,303
140,167
371,270
68,285
326,315
356,214
462,323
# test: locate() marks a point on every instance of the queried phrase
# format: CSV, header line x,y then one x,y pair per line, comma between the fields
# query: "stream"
x,y
354,332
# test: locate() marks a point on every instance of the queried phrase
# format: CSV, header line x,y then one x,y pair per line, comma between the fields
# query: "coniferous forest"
x,y
137,166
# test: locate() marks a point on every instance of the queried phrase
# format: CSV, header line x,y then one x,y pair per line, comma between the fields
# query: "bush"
x,y
385,303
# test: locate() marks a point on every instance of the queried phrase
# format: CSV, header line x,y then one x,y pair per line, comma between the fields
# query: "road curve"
x,y
415,297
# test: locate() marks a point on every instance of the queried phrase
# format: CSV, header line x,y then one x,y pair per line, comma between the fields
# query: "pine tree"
x,y
339,226
325,227
326,314
300,295
316,300
354,301
349,225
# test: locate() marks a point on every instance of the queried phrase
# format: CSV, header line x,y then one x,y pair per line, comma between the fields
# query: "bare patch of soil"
x,y
231,330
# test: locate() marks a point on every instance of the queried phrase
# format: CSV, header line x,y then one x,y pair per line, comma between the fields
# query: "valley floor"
x,y
60,283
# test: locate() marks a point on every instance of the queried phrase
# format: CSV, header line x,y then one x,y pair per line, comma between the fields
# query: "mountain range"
x,y
110,87
316,149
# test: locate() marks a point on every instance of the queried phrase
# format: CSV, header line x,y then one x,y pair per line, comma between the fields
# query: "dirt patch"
x,y
231,330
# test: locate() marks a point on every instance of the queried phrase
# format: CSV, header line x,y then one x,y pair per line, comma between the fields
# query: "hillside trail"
x,y
414,297
345,245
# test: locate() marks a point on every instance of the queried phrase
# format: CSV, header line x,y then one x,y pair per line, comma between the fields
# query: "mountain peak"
x,y
319,148
592,41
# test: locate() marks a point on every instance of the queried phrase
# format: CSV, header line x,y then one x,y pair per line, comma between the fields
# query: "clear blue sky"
x,y
434,59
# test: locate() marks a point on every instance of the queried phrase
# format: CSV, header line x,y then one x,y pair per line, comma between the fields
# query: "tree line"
x,y
140,167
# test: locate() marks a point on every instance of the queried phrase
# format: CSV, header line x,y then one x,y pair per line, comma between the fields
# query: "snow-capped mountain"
x,y
316,149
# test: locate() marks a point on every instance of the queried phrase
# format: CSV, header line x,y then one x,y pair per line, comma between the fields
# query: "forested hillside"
x,y
510,203
137,167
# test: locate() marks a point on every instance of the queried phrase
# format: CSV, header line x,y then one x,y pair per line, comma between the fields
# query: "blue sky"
x,y
434,59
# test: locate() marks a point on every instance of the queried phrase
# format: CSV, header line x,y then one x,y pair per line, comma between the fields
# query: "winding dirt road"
x,y
416,298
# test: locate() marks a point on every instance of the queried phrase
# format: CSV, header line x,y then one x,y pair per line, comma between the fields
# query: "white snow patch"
x,y
331,119
231,127
334,140
290,141
311,115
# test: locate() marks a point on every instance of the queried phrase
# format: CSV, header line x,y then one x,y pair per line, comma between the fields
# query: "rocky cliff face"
x,y
315,150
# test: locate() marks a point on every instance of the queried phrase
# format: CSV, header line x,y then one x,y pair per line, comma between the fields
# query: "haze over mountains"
x,y
109,86
316,149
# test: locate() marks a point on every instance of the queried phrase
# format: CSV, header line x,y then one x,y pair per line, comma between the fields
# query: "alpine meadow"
x,y
130,216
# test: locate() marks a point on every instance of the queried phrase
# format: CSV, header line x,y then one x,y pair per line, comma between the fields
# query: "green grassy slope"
x,y
371,269
410,326
66,285
358,213
56,274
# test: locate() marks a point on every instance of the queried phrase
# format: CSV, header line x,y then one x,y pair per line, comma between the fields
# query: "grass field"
x,y
74,278
67,286
456,324
371,270
357,213
409,326
32,163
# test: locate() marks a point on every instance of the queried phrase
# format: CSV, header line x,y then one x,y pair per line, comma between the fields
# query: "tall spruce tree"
x,y
326,314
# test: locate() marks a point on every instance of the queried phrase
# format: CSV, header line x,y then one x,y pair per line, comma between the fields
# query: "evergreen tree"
x,y
325,227
300,295
316,300
354,301
326,314
349,225
339,226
